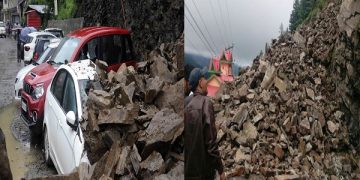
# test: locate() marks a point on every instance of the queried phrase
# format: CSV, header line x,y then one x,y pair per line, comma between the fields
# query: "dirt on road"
x,y
26,159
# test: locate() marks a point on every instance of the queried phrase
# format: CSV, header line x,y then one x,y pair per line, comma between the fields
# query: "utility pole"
x,y
55,7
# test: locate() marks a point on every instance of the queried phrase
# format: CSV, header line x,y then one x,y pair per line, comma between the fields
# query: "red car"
x,y
110,44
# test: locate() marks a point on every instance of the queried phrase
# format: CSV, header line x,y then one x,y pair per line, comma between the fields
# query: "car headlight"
x,y
38,91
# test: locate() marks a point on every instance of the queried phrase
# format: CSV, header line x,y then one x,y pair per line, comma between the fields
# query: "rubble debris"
x,y
333,127
290,122
278,151
101,98
172,96
280,84
165,126
248,134
153,162
132,113
269,77
124,115
153,89
160,68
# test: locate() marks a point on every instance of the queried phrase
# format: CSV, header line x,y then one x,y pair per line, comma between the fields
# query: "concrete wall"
x,y
67,25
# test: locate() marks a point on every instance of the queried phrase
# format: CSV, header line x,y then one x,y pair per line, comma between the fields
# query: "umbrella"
x,y
25,31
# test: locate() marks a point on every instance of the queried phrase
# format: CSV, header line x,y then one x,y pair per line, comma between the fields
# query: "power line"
x,y
228,13
192,44
206,28
223,22
217,24
197,34
199,28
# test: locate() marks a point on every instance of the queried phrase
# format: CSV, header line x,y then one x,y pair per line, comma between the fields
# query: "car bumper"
x,y
32,111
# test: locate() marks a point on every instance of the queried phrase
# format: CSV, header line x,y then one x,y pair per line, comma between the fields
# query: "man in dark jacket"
x,y
202,157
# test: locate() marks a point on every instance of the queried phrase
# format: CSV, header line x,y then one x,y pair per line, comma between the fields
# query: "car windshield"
x,y
45,55
65,50
84,90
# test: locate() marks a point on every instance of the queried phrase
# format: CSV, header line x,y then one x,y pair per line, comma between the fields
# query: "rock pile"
x,y
282,118
134,118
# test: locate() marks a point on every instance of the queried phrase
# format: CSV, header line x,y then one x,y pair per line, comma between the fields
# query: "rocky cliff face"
x,y
345,65
151,22
294,113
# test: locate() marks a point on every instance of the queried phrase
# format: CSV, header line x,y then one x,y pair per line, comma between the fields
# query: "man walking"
x,y
202,158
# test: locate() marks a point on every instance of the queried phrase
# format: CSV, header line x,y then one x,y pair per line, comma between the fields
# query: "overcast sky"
x,y
246,23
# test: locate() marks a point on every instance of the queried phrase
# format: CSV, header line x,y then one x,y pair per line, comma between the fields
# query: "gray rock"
x,y
165,126
153,162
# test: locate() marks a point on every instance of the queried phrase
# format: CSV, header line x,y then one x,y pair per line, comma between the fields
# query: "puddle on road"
x,y
20,154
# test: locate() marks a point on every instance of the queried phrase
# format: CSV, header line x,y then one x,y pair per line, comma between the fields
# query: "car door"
x,y
66,135
55,112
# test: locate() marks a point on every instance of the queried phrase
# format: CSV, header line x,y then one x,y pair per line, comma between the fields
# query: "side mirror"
x,y
71,120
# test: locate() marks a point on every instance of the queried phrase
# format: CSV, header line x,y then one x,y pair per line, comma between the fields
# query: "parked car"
x,y
55,31
110,44
65,99
24,39
2,30
30,44
40,46
21,74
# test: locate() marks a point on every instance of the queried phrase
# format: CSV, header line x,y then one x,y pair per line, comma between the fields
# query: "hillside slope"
x,y
293,114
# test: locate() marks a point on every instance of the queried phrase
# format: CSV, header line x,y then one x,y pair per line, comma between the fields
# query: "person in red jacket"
x,y
202,157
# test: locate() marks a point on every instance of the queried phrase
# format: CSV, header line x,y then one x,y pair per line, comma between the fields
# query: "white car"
x,y
65,98
2,29
30,44
19,80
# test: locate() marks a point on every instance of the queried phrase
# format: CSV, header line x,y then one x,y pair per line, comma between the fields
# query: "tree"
x,y
301,11
294,17
281,29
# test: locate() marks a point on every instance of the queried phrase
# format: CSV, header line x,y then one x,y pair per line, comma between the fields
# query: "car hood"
x,y
42,73
23,71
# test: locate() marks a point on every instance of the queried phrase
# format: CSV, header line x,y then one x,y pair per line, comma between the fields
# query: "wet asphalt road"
x,y
26,160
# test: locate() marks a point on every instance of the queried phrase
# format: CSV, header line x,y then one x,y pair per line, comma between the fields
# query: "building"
x,y
33,14
220,71
10,11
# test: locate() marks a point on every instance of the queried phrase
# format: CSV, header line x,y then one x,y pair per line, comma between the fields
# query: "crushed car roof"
x,y
84,69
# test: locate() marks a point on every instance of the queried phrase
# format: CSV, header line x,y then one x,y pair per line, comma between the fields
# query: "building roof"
x,y
39,8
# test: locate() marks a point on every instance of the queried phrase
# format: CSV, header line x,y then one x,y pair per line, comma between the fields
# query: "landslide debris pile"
x,y
134,118
282,117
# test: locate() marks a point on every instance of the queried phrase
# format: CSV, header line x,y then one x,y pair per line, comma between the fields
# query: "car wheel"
x,y
46,149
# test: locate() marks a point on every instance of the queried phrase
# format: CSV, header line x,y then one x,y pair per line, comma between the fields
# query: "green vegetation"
x,y
38,2
66,9
303,11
